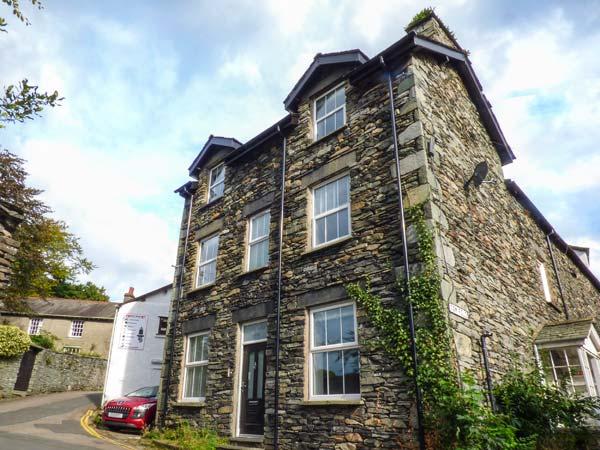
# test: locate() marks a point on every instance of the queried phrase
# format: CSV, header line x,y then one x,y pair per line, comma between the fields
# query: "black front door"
x,y
252,417
25,370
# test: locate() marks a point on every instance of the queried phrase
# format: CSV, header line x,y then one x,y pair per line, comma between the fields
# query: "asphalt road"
x,y
49,422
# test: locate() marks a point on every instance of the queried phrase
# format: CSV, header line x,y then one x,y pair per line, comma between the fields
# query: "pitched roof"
x,y
324,61
66,307
565,331
213,142
143,297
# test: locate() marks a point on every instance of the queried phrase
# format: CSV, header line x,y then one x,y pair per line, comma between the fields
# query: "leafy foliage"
x,y
16,11
13,341
532,416
45,339
187,437
422,15
82,291
23,101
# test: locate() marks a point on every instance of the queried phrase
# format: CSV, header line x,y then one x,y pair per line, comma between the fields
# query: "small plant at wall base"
x,y
187,437
13,341
457,417
45,339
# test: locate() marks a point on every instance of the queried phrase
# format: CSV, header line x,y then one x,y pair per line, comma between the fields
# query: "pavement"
x,y
54,422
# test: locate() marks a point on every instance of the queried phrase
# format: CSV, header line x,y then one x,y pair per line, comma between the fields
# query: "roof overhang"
x,y
321,62
412,43
549,230
213,142
580,332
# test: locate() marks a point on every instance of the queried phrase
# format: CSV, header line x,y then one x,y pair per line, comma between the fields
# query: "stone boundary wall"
x,y
55,372
10,219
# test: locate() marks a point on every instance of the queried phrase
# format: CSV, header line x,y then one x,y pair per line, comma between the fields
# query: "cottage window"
x,y
334,355
162,326
574,368
330,112
76,328
545,285
331,211
71,349
35,325
216,182
207,262
196,363
258,241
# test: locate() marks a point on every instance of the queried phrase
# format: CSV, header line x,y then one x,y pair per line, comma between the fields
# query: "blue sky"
x,y
145,83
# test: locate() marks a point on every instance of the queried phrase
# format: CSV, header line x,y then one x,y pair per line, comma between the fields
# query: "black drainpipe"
x,y
486,365
556,274
279,282
411,315
166,386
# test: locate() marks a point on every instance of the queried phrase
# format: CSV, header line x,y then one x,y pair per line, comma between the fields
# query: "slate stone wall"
x,y
55,372
364,150
489,246
10,219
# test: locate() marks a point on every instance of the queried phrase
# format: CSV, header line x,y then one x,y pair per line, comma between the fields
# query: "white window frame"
x,y
257,240
545,285
187,365
211,184
207,262
67,348
39,322
75,326
315,217
328,348
316,122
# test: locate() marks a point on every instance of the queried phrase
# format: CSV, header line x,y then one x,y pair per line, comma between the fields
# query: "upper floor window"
x,y
76,328
207,261
334,355
331,211
216,183
258,240
35,325
196,364
545,285
162,325
330,112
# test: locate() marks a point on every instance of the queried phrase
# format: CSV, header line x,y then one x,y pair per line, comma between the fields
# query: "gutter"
x,y
169,356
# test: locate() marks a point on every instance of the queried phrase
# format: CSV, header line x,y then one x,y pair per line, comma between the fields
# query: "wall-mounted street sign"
x,y
455,309
133,332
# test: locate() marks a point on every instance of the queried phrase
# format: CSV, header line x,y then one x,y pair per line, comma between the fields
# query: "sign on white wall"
x,y
133,331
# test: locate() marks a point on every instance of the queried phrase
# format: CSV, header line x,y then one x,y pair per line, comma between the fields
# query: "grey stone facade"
x,y
487,244
10,218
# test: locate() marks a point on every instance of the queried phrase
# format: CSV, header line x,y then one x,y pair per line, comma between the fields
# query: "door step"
x,y
243,443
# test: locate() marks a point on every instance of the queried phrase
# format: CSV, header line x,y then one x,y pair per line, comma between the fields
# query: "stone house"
x,y
81,326
10,218
274,229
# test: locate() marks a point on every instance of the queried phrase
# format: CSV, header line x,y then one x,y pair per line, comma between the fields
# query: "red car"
x,y
136,410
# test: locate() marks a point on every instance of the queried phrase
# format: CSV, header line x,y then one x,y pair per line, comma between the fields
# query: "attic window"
x,y
216,182
330,112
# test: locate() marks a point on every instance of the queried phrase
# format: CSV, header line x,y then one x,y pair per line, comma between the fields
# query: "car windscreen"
x,y
145,392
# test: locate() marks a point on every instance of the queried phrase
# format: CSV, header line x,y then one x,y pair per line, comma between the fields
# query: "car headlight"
x,y
140,411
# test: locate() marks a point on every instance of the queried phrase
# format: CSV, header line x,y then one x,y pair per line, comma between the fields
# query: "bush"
x,y
543,412
187,437
44,339
13,341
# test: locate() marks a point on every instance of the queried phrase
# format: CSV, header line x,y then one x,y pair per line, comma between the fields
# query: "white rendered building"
x,y
137,342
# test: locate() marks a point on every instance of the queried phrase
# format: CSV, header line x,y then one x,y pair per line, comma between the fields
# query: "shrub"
x,y
13,341
187,437
44,339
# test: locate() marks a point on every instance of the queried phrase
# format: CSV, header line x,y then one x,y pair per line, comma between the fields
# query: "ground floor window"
x,y
71,349
334,355
196,364
574,368
35,325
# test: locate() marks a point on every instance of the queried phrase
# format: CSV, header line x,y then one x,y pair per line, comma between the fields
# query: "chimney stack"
x,y
128,295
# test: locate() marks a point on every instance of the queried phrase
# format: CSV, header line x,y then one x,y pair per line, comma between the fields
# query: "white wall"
x,y
129,369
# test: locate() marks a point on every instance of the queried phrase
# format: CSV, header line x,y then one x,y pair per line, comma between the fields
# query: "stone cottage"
x,y
274,229
10,218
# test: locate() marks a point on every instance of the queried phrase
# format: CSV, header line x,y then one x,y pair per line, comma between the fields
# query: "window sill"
x,y
199,404
353,402
211,203
328,245
200,289
253,271
327,136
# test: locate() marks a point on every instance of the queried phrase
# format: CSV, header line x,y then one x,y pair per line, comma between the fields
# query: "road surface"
x,y
49,422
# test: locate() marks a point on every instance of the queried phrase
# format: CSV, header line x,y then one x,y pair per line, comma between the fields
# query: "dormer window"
x,y
330,112
216,182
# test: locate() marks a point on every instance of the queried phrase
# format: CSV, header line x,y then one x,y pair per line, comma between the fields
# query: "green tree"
x,y
84,291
